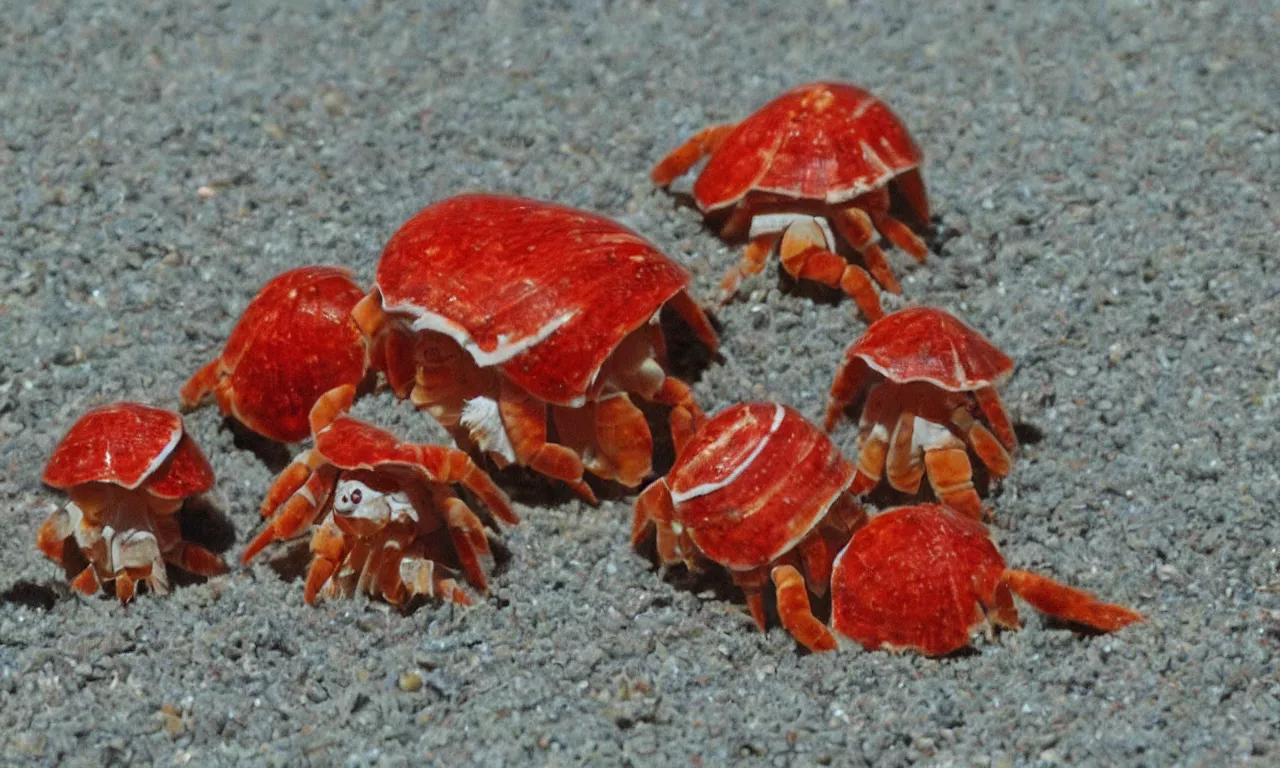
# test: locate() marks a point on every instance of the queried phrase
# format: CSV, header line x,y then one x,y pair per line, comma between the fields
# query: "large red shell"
x,y
753,481
295,341
915,577
129,444
348,443
928,344
821,141
543,290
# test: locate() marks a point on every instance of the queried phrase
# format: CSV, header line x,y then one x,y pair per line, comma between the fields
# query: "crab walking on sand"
x,y
925,579
926,383
389,522
821,159
294,342
499,315
763,493
128,468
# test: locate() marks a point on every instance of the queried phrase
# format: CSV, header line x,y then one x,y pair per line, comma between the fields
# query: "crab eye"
x,y
356,495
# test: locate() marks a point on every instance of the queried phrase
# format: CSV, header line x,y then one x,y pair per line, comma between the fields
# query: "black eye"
x,y
355,496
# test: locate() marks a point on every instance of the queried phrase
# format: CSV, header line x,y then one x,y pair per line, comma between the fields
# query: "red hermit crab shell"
x,y
390,524
822,155
293,342
127,468
490,310
923,578
762,492
926,381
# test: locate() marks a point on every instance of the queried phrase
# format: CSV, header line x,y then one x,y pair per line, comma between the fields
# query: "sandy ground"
x,y
1104,177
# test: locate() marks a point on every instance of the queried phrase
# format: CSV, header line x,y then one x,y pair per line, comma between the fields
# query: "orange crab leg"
x,y
855,225
849,381
200,385
950,475
876,204
686,416
469,540
796,614
525,420
653,507
685,156
86,582
1068,604
805,258
298,512
448,465
989,402
754,258
903,463
752,584
622,435
195,559
290,480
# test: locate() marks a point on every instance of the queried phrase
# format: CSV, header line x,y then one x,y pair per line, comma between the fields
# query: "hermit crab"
x,y
763,493
501,315
294,342
128,469
391,525
924,578
822,155
926,382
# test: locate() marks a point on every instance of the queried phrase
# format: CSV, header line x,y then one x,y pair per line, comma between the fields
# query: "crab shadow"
x,y
276,456
35,595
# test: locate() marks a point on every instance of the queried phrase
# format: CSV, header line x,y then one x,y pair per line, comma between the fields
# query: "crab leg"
x,y
856,227
86,582
985,445
796,614
873,443
686,415
989,402
754,258
289,481
327,547
525,421
200,385
876,204
806,256
752,584
1067,603
56,529
469,540
419,577
448,465
297,513
622,434
950,475
903,465
685,156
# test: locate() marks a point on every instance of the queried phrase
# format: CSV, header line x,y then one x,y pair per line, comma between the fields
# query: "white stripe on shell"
x,y
705,488
506,349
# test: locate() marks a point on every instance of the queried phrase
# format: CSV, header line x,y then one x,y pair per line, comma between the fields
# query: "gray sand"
x,y
1104,177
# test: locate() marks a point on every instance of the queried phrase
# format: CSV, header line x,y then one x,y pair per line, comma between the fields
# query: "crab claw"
x,y
1068,604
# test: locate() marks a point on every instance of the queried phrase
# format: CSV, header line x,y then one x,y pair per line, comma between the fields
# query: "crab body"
x,y
389,522
127,468
497,314
927,383
817,161
763,493
924,578
295,341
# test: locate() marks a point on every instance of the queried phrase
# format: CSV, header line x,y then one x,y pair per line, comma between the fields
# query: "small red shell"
x,y
753,481
820,141
348,443
546,291
294,342
129,444
928,344
915,577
